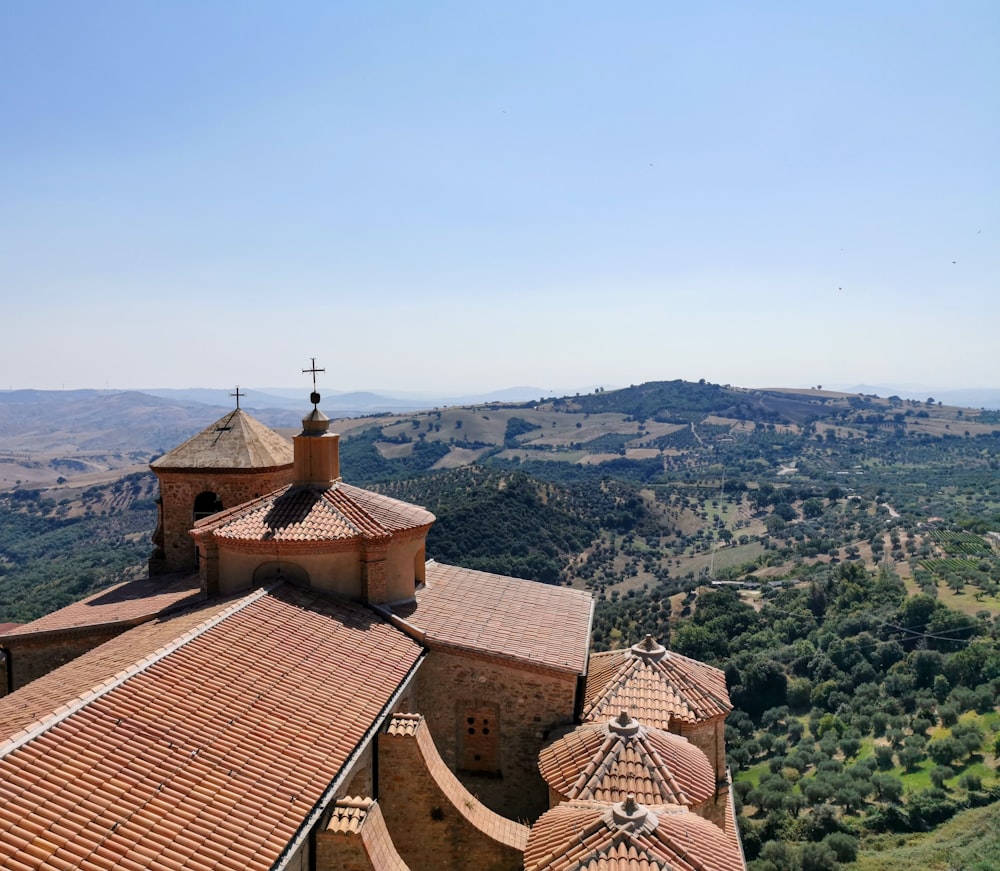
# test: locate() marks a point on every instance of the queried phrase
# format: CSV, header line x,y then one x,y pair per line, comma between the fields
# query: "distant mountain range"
x,y
87,420
345,404
966,397
358,403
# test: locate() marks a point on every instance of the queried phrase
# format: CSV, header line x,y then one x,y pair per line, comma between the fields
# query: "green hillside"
x,y
837,555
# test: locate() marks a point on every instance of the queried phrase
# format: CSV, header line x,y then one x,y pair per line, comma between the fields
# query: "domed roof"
x,y
310,513
236,441
655,685
587,836
607,761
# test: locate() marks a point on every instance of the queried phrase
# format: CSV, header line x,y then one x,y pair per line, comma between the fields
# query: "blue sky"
x,y
468,196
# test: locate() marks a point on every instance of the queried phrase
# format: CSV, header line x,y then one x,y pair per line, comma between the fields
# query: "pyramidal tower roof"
x,y
235,441
656,685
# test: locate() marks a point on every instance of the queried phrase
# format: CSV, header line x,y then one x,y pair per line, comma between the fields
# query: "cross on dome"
x,y
237,394
314,396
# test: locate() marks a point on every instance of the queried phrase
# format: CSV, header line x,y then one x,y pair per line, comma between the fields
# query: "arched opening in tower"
x,y
206,504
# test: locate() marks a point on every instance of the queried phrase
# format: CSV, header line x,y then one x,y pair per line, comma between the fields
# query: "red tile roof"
x,y
236,441
586,835
314,514
131,602
607,761
505,617
37,702
654,685
211,751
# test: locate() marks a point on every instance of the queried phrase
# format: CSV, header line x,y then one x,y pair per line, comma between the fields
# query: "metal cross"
x,y
314,397
237,394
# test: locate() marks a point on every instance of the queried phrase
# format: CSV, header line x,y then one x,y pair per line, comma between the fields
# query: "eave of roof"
x,y
128,603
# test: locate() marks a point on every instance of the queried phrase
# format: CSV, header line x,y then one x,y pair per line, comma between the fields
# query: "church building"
x,y
298,685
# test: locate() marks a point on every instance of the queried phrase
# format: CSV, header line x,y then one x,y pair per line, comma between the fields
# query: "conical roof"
x,y
587,836
655,685
236,441
607,761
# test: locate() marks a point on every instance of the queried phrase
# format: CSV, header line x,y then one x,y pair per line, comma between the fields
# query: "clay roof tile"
x,y
204,732
656,686
497,615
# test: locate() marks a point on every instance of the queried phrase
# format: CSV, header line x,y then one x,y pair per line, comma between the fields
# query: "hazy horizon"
x,y
458,197
527,391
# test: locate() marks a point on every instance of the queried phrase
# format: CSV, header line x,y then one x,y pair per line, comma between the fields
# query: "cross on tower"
x,y
314,396
237,394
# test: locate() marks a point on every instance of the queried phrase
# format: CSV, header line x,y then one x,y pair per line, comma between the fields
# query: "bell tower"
x,y
230,462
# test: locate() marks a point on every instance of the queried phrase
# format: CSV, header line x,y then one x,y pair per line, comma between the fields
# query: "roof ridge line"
x,y
339,486
40,727
664,771
327,497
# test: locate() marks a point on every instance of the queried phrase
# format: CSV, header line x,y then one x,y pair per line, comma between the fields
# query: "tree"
x,y
910,757
888,787
939,774
844,846
944,750
781,856
818,857
969,737
883,756
850,746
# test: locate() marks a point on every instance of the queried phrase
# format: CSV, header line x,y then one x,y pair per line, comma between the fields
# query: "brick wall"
x,y
529,702
709,737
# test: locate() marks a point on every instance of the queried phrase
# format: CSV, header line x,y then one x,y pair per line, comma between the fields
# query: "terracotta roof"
x,y
236,441
212,751
507,617
131,602
607,761
315,513
654,685
42,699
586,835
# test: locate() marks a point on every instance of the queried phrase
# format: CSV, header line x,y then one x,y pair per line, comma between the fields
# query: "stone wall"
x,y
178,491
709,737
434,822
519,704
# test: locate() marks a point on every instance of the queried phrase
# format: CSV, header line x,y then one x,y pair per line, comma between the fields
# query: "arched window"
x,y
206,504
